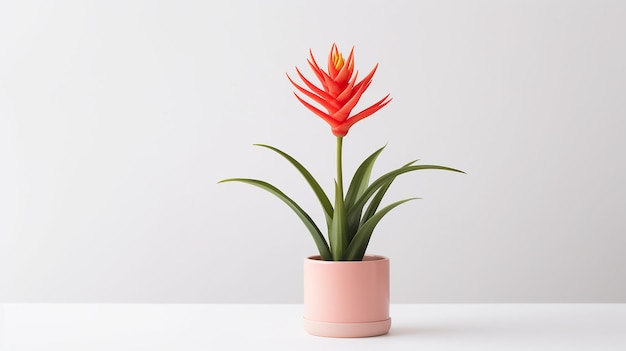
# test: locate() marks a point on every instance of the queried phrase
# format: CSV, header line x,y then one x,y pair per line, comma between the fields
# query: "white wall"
x,y
118,118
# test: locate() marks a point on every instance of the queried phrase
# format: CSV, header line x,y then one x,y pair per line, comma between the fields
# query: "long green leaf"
x,y
358,184
321,243
317,189
337,233
373,206
356,249
361,178
355,211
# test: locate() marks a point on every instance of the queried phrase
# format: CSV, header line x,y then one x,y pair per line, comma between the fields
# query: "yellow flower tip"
x,y
338,60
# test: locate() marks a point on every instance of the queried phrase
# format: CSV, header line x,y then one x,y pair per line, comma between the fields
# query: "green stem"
x,y
339,242
339,162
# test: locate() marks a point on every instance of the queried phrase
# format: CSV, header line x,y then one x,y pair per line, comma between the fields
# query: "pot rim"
x,y
367,259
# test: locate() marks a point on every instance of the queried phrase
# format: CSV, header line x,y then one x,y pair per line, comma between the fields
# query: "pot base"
x,y
347,330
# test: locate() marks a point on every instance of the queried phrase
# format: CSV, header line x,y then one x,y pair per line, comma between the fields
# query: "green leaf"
x,y
361,178
373,206
355,211
317,189
358,184
356,249
322,246
336,234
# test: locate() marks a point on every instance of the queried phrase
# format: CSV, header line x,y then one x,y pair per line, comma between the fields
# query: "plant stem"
x,y
339,162
338,242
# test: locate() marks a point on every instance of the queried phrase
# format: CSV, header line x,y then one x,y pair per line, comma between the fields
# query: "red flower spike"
x,y
339,93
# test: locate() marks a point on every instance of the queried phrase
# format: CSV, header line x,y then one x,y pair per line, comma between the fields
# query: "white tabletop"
x,y
278,327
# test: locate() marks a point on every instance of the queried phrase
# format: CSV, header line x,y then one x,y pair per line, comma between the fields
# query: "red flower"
x,y
340,94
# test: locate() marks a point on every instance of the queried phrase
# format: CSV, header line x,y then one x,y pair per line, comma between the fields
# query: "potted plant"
x,y
346,292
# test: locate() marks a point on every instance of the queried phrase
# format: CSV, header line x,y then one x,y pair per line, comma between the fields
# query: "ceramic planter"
x,y
346,299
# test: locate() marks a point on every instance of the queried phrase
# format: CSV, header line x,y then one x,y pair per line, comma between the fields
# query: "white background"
x,y
117,118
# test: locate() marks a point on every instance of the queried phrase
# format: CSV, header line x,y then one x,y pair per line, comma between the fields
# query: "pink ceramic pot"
x,y
346,299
